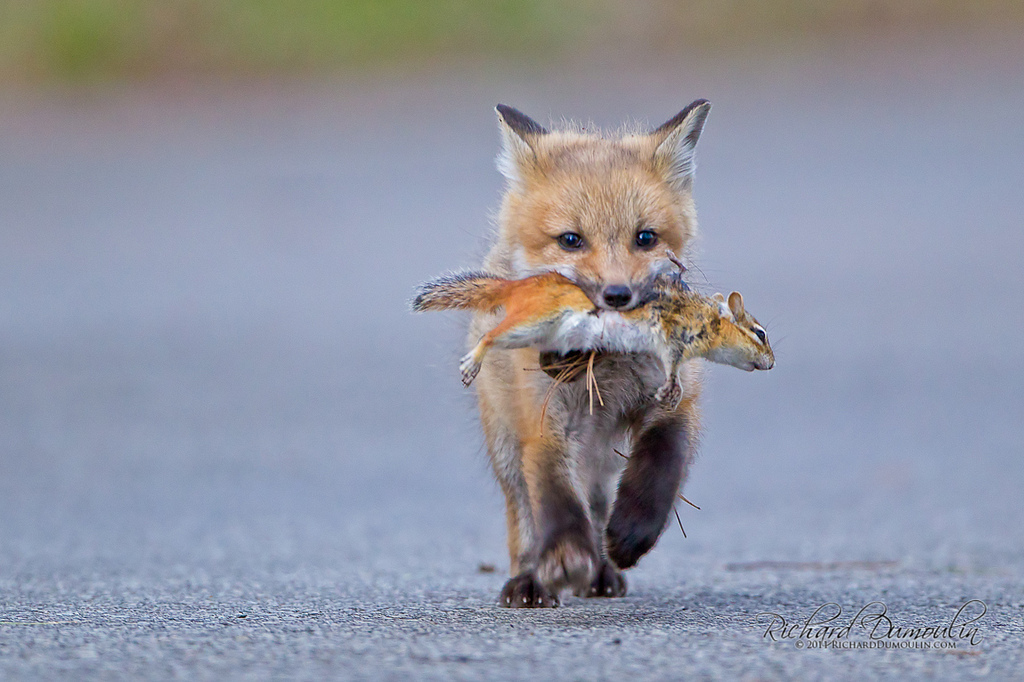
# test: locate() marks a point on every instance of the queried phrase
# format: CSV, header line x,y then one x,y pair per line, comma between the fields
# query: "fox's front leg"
x,y
566,553
551,540
504,446
658,463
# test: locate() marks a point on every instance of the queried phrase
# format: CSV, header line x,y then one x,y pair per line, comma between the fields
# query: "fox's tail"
x,y
461,291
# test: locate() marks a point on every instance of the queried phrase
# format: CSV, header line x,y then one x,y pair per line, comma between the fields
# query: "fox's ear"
x,y
518,135
736,304
676,141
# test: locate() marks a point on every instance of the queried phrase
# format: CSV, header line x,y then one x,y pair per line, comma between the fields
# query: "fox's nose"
x,y
617,295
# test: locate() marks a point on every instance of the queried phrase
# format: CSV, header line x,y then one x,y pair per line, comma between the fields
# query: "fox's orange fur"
x,y
602,210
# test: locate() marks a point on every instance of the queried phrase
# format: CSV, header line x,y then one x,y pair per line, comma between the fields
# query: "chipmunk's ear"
x,y
676,142
723,307
736,304
519,133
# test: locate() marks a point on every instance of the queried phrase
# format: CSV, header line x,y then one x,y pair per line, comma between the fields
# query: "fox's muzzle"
x,y
617,296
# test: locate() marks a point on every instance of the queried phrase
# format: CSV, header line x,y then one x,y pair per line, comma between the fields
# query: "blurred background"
x,y
111,40
213,398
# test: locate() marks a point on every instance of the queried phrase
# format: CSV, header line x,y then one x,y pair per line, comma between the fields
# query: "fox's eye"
x,y
570,241
645,239
761,336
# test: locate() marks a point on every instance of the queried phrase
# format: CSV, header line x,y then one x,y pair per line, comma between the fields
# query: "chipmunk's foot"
x,y
525,591
607,583
670,393
470,367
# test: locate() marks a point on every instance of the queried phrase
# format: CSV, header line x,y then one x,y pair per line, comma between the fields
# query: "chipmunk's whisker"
x,y
697,268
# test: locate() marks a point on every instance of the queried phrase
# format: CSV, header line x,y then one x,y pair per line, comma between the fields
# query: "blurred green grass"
x,y
96,39
76,40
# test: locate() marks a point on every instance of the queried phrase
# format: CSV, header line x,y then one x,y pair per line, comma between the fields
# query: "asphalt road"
x,y
228,451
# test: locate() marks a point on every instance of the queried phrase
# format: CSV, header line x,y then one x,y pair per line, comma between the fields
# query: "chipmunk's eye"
x,y
645,239
570,241
761,336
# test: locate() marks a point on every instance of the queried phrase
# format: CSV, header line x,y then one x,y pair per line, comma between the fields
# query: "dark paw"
x,y
647,491
569,561
627,540
607,583
526,592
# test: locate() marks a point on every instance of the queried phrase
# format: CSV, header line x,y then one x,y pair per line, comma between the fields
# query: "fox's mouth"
x,y
598,293
595,292
604,308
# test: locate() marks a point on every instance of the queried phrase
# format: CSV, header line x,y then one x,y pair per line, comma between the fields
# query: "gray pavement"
x,y
227,451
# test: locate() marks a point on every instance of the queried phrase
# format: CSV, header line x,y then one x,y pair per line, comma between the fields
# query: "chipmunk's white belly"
x,y
607,330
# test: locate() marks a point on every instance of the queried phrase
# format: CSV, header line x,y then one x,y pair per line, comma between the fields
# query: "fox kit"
x,y
603,211
551,313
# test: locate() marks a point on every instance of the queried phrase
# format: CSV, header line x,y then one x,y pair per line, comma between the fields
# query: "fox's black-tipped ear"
x,y
518,133
522,124
677,142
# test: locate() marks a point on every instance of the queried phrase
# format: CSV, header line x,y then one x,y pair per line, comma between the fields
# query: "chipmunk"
x,y
551,313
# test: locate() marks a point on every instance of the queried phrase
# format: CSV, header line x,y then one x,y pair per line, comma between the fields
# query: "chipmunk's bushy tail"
x,y
460,291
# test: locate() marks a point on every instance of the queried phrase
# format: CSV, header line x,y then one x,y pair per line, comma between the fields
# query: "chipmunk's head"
x,y
744,343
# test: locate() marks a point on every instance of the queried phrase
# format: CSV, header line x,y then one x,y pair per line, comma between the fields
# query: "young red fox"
x,y
602,211
551,313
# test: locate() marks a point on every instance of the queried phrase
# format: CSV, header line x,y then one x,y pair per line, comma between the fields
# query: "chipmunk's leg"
x,y
671,392
472,361
663,448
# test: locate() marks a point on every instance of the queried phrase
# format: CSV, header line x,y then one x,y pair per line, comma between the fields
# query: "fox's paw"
x,y
567,561
670,393
607,583
525,591
626,540
470,367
